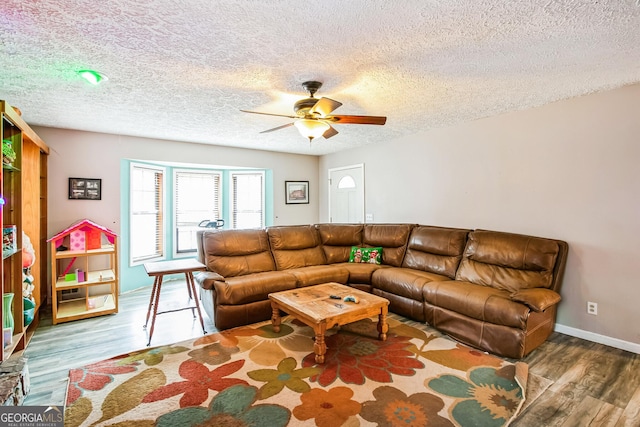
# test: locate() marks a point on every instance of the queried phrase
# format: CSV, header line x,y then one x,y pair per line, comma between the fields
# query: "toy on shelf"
x,y
8,153
28,252
9,238
28,259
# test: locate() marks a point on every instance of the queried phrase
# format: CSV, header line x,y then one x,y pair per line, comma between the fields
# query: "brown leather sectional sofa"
x,y
492,290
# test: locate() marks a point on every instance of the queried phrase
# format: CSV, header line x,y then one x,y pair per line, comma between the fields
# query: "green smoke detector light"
x,y
92,76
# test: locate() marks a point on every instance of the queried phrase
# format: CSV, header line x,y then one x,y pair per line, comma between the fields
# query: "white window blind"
x,y
147,221
247,194
197,198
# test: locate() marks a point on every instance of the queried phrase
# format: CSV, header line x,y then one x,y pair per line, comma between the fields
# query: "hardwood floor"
x,y
53,350
589,384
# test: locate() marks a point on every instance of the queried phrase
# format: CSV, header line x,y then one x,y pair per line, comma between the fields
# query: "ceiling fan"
x,y
314,118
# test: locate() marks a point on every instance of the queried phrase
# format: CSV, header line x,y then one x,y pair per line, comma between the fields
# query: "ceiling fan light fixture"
x,y
311,128
92,76
314,116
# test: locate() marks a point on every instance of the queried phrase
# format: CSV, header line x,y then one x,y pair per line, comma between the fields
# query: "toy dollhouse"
x,y
88,287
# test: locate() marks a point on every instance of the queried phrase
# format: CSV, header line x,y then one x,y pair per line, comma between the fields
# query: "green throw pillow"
x,y
366,255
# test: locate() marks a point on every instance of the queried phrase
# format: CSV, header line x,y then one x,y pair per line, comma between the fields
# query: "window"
x,y
168,204
347,181
247,195
147,220
197,198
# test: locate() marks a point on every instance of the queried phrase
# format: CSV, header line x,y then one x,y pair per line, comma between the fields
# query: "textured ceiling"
x,y
182,70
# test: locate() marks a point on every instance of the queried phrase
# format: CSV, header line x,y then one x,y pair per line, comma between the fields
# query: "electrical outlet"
x,y
592,308
369,217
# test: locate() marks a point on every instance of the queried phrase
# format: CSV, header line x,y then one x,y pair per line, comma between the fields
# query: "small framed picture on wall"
x,y
85,188
296,192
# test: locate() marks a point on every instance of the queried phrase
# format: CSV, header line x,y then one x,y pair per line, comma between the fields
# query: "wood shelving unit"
x,y
96,293
22,194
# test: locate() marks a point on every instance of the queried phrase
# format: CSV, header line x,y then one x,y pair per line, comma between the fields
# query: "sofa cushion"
x,y
391,237
365,255
508,261
360,273
237,252
476,301
296,246
404,282
318,274
337,240
435,249
253,287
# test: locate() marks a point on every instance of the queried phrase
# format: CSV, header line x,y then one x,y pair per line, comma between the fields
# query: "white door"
x,y
346,194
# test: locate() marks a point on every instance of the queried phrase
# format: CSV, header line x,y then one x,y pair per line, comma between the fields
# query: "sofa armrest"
x,y
538,299
206,278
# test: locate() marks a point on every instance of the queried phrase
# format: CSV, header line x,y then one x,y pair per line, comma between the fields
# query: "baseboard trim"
x,y
600,339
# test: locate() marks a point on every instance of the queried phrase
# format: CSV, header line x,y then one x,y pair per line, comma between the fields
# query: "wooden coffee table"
x,y
313,306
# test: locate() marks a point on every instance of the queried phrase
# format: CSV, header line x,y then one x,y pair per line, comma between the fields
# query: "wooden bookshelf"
x,y
22,195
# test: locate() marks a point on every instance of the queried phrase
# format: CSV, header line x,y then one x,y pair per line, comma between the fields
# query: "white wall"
x,y
569,170
97,155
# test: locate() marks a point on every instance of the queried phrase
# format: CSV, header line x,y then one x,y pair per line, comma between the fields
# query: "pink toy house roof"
x,y
86,226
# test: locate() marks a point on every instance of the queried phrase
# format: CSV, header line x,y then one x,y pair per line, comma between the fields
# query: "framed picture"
x,y
85,189
296,192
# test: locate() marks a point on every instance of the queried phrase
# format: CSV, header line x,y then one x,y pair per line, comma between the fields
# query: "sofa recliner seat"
x,y
433,255
403,288
504,295
240,274
298,251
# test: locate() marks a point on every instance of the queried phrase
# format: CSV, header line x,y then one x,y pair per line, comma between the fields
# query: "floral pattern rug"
x,y
252,376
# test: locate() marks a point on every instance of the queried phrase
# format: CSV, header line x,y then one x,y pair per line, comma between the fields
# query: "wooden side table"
x,y
158,270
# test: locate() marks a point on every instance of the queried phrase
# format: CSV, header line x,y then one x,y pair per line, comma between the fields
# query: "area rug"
x,y
252,376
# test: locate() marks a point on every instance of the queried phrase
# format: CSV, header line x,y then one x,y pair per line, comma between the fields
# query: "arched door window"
x,y
346,181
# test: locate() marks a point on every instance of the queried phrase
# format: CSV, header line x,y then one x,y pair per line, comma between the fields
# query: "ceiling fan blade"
x,y
324,106
330,132
359,120
270,114
278,128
